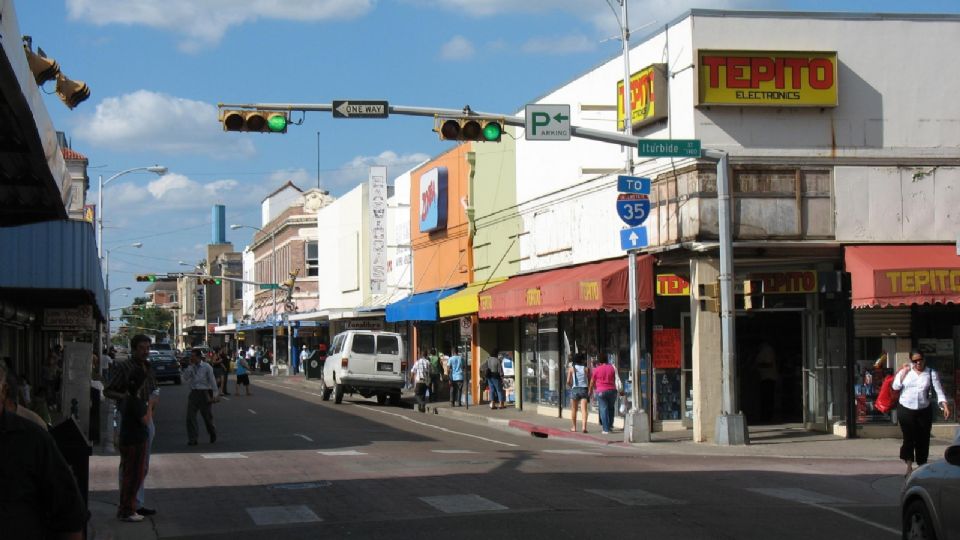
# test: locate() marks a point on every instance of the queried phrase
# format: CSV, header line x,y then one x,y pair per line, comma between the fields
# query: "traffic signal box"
x,y
147,277
255,121
752,294
469,128
210,281
709,296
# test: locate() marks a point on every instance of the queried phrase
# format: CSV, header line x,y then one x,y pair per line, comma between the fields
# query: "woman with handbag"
x,y
578,380
603,382
915,410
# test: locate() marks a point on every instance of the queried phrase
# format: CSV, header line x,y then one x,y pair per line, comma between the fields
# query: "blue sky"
x,y
156,71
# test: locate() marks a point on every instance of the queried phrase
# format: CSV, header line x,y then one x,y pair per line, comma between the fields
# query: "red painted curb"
x,y
554,432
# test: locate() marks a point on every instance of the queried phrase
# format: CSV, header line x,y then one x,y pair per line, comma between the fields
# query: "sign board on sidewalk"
x,y
353,108
633,208
669,147
633,184
466,327
633,238
547,122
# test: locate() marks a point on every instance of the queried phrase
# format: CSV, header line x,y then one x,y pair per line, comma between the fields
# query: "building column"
x,y
707,369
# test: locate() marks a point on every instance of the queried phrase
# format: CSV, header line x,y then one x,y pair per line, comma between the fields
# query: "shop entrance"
x,y
770,366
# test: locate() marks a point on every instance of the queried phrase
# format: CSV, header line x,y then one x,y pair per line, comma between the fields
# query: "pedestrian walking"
x,y
455,367
602,383
216,362
243,375
40,495
421,380
436,371
493,374
203,392
134,416
578,380
116,389
915,410
305,354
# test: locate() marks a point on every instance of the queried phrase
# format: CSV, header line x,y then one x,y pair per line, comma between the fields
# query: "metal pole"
x,y
100,218
206,315
731,428
107,280
627,106
273,323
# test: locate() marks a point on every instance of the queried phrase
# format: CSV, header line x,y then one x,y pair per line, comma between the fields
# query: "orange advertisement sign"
x,y
919,281
804,281
666,348
672,285
648,96
768,78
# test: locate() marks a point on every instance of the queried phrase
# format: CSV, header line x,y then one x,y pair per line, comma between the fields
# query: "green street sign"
x,y
269,286
669,147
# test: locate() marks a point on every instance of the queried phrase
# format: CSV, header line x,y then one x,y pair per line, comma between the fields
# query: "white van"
x,y
366,362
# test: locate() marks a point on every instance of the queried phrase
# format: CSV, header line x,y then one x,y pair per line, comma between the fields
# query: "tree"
x,y
153,321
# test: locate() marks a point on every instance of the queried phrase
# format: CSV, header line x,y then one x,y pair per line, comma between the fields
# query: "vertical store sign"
x,y
648,97
378,229
433,200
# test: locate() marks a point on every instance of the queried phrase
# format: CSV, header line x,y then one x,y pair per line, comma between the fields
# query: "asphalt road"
x,y
288,465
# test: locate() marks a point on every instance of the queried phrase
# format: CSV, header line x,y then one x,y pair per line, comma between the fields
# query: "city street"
x,y
287,464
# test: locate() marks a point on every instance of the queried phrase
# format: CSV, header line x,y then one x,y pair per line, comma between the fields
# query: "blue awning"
x,y
419,307
53,263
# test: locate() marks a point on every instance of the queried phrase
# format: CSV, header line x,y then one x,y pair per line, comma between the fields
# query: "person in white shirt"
x,y
914,410
421,379
203,392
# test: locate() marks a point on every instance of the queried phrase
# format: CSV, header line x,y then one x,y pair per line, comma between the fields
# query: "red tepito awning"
x,y
901,275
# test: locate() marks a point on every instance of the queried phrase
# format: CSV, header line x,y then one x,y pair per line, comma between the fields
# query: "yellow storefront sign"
x,y
768,78
648,96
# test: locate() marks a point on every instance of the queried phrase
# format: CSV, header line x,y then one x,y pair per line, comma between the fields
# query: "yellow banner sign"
x,y
672,285
768,78
648,96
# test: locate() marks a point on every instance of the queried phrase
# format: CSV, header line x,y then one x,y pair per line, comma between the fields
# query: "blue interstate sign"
x,y
633,184
633,238
633,208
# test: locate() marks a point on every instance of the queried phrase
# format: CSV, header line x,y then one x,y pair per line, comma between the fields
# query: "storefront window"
x,y
579,336
528,350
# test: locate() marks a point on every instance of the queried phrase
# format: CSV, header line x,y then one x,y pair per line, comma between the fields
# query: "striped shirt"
x,y
116,387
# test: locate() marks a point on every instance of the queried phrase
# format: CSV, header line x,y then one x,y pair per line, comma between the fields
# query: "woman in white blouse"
x,y
915,410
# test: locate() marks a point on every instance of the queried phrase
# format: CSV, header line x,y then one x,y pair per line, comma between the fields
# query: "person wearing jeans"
x,y
603,384
455,364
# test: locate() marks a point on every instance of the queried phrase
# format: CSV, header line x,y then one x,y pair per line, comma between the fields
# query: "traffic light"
x,y
210,281
709,296
752,294
147,277
469,128
256,121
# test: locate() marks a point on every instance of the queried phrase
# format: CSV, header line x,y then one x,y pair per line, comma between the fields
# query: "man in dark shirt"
x,y
133,446
39,498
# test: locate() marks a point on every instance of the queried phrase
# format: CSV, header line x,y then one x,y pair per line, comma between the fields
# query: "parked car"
x,y
366,362
930,500
165,366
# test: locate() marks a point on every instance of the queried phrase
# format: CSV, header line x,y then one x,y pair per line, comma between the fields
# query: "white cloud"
x,y
150,121
356,170
559,45
205,22
300,178
458,48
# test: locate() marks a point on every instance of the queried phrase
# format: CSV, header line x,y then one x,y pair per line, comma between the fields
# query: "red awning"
x,y
586,287
901,275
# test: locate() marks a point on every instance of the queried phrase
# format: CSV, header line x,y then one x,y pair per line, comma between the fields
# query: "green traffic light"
x,y
492,131
216,281
152,278
277,123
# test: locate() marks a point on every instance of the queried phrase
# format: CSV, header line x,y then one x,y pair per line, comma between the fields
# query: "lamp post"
x,y
273,279
137,245
156,169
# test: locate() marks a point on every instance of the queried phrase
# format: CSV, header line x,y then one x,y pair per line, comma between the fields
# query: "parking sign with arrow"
x,y
547,122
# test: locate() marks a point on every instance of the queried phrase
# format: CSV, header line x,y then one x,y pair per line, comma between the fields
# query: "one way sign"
x,y
633,238
360,109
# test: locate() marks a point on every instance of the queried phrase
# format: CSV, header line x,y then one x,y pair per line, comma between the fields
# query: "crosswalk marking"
x,y
798,495
454,452
341,453
252,411
280,515
634,497
573,452
461,504
304,437
224,455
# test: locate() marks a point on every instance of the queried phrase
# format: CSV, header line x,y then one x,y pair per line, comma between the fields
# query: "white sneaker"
x,y
132,518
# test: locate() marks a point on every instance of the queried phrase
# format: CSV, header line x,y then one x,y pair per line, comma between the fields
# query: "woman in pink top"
x,y
602,382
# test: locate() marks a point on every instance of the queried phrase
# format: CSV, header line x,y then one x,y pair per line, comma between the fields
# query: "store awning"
x,y
418,307
466,302
586,287
52,264
903,275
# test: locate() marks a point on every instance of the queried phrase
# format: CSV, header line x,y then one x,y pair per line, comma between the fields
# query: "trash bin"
x,y
313,367
76,451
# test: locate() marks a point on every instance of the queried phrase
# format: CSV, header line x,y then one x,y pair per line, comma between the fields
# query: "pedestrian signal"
x,y
210,281
255,121
147,277
469,128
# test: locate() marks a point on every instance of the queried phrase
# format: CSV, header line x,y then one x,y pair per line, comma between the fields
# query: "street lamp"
x,y
156,169
137,245
273,279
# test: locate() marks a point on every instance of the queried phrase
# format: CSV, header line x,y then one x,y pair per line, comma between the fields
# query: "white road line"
x,y
341,453
573,452
460,504
407,418
282,515
252,411
303,436
454,452
818,500
224,455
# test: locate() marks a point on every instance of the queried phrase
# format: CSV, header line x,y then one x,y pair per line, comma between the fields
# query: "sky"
x,y
157,70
